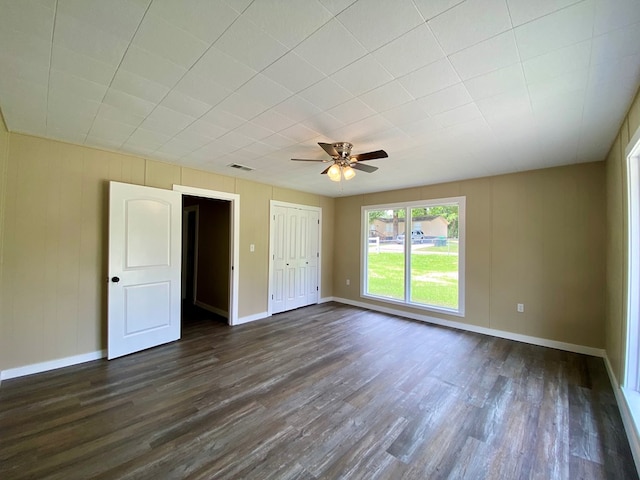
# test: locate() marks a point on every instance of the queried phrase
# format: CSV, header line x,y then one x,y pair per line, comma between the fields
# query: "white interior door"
x,y
295,255
279,260
312,257
144,268
298,233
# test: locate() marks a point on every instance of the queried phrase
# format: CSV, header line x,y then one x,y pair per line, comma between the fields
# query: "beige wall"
x,y
617,245
55,242
535,238
53,245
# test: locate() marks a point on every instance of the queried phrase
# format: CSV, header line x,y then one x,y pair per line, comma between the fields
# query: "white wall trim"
x,y
625,413
543,342
327,299
597,352
252,318
52,364
209,308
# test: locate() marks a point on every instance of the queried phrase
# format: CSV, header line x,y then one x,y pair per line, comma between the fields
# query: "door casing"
x,y
234,241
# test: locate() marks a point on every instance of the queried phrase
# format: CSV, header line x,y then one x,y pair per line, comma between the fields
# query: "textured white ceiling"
x,y
450,89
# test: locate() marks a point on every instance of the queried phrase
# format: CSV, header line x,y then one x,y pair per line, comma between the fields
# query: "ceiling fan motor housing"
x,y
340,153
343,149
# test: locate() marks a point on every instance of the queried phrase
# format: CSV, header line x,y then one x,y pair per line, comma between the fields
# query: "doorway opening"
x,y
145,263
206,259
210,234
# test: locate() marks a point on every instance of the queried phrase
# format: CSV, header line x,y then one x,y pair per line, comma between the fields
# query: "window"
x,y
418,259
631,381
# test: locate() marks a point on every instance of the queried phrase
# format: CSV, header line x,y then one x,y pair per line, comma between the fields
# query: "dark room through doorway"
x,y
206,260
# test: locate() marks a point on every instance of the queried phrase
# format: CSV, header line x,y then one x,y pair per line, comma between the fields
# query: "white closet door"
x,y
279,252
294,277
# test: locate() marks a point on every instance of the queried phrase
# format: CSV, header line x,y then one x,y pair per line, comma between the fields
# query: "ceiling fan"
x,y
343,162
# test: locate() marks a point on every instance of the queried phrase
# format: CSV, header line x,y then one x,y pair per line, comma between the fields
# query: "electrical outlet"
x,y
252,248
348,282
520,307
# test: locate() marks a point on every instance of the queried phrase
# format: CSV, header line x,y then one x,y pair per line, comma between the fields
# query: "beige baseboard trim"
x,y
209,308
51,365
625,412
543,342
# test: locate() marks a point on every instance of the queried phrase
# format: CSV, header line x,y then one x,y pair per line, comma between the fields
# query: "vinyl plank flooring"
x,y
325,392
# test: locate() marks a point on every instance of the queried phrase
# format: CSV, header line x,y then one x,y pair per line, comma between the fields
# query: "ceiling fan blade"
x,y
369,155
325,170
364,167
327,147
308,160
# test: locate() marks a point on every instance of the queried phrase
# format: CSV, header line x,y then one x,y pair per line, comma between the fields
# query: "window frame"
x,y
630,384
460,201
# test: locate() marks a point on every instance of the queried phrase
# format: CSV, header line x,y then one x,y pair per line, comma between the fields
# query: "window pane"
x,y
385,256
434,255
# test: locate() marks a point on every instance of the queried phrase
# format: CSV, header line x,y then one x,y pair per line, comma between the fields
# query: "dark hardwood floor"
x,y
324,392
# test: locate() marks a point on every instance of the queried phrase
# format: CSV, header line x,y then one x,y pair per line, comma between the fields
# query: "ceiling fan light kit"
x,y
344,164
338,172
348,173
335,172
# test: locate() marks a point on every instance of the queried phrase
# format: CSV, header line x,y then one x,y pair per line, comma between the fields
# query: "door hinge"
x,y
318,222
317,289
232,268
317,254
271,297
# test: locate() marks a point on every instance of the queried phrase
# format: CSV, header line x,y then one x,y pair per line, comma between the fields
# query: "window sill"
x,y
633,401
417,306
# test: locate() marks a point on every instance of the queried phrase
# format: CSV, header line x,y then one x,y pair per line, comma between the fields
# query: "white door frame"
x,y
278,203
234,241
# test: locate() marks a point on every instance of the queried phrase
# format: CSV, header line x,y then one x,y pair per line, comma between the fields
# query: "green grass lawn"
x,y
434,277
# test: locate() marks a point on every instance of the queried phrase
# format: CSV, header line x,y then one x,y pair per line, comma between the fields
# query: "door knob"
x,y
115,279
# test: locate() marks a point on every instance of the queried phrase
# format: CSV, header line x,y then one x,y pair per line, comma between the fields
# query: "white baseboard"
x,y
51,365
327,299
76,359
543,342
209,308
252,318
625,412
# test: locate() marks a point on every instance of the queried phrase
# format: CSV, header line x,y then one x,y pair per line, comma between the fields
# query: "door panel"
x,y
140,315
147,219
144,268
278,286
